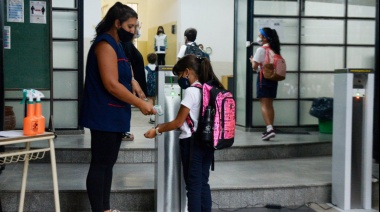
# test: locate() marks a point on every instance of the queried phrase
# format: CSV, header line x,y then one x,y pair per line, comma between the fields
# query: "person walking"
x,y
107,99
196,159
266,90
151,80
160,45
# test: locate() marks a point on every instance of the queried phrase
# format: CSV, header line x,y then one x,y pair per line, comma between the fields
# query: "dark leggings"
x,y
104,151
160,59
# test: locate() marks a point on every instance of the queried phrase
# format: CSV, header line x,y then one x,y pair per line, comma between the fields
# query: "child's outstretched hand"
x,y
150,133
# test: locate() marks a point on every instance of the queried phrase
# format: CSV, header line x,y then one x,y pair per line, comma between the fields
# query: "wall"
x,y
92,16
214,21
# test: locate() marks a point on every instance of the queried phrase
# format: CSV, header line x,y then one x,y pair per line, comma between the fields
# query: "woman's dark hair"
x,y
152,58
160,27
119,12
201,66
191,34
274,41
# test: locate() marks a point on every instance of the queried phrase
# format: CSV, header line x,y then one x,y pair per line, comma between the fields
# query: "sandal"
x,y
128,136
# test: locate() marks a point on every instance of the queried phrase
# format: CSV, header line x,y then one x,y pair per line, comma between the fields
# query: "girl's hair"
x,y
274,41
119,12
201,66
160,27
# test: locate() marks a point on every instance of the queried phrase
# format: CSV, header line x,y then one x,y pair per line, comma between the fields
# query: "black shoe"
x,y
268,135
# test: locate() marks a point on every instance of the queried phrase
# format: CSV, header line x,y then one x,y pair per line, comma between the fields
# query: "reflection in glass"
x,y
362,8
321,58
64,3
65,25
275,7
324,8
361,32
65,54
316,85
360,57
322,31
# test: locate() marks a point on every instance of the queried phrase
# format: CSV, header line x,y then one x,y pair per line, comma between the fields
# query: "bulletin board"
x,y
27,49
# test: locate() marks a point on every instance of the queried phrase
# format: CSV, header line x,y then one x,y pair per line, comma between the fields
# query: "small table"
x,y
27,154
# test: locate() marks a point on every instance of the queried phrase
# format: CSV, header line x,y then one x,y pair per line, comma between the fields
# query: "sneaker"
x,y
128,136
268,135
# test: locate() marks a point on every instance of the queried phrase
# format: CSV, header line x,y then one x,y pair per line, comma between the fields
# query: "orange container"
x,y
30,121
40,118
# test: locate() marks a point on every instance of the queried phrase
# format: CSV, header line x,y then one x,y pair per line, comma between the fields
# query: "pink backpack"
x,y
274,67
223,120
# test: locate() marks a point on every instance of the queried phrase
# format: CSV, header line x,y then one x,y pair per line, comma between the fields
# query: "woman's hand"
x,y
150,133
147,108
136,89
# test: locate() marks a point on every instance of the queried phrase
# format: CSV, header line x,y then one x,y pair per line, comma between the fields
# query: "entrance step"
x,y
234,184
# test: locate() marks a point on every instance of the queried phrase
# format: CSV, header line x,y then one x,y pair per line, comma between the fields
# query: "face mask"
x,y
124,35
184,82
259,41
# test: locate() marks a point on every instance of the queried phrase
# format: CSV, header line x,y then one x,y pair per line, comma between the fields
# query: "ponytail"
x,y
201,66
274,41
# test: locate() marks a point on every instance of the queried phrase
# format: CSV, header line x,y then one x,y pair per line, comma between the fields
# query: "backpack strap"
x,y
267,49
147,68
189,121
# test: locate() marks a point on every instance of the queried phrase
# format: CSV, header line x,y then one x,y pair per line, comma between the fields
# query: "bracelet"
x,y
157,133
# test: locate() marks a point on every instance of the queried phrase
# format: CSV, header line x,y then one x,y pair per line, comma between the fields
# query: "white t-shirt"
x,y
182,50
192,100
259,56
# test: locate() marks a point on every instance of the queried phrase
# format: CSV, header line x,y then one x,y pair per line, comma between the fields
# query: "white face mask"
x,y
259,41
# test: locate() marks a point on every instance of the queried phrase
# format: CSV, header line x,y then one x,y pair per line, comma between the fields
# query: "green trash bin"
x,y
325,126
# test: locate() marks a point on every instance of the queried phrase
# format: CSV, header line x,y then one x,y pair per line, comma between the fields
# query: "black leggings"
x,y
104,151
160,59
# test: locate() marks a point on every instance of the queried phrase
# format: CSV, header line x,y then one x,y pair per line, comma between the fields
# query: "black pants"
x,y
104,151
160,59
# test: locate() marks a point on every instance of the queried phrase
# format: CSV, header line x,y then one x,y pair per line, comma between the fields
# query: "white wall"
x,y
214,21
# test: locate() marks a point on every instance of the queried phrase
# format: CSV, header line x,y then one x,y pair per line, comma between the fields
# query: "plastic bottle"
x,y
30,121
207,130
41,119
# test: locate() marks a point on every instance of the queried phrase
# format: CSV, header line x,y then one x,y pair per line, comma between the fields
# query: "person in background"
x,y
190,36
266,90
151,80
107,99
160,45
137,62
196,159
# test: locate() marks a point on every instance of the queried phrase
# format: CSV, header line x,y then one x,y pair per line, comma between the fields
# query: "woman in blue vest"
x,y
107,99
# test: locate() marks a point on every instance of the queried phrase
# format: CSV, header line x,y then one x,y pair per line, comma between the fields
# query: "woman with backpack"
x,y
196,160
266,90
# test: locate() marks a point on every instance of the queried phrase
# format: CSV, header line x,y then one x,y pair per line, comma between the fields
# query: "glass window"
x,y
316,85
65,25
275,7
287,29
324,8
65,54
65,114
362,8
287,89
360,57
287,117
322,31
65,84
321,58
290,54
361,32
64,4
305,117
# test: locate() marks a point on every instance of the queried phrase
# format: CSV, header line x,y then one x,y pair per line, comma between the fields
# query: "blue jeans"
x,y
196,163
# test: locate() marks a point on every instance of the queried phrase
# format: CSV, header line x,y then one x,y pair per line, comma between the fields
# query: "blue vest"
x,y
100,110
